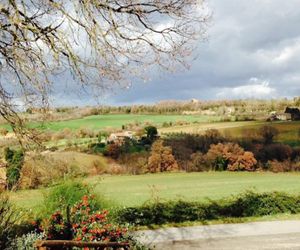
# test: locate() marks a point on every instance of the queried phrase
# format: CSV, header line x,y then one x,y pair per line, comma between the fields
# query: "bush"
x,y
85,133
112,150
15,159
244,205
135,163
26,241
97,147
283,166
66,195
85,222
8,218
279,152
198,163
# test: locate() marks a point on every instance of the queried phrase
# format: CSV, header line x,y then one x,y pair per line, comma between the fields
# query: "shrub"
x,y
198,163
283,166
244,205
26,241
15,159
279,152
9,215
246,162
277,166
97,147
66,195
85,133
112,150
135,163
85,223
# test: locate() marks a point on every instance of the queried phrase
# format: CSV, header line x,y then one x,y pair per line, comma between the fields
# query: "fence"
x,y
66,244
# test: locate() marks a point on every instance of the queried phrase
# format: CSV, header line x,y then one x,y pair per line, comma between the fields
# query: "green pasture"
x,y
136,189
289,132
96,122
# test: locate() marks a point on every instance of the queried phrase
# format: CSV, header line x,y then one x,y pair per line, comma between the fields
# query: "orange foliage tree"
x,y
230,156
161,158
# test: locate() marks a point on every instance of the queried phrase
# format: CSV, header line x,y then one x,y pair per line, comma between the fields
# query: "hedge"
x,y
247,204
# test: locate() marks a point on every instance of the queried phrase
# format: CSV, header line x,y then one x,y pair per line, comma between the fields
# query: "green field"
x,y
117,120
288,131
135,190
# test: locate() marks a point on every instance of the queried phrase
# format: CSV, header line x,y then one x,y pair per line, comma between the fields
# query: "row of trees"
x,y
211,151
250,108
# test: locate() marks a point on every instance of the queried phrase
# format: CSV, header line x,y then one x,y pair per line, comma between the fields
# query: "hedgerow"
x,y
248,204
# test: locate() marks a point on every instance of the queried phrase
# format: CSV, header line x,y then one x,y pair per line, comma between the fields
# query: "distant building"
x,y
119,138
274,116
194,100
284,117
294,112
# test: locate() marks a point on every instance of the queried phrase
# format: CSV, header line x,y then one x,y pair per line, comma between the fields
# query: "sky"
x,y
252,51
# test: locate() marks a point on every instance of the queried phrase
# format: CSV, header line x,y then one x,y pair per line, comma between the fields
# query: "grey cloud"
x,y
247,39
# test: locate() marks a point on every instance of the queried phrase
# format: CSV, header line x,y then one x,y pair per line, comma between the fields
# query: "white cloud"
x,y
287,53
255,88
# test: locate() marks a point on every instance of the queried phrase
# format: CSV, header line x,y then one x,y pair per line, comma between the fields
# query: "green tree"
x,y
151,133
15,160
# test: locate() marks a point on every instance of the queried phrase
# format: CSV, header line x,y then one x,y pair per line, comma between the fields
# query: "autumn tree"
x,y
230,156
268,133
161,158
198,162
100,44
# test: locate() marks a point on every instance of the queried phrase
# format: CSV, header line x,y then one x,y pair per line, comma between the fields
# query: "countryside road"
x,y
275,235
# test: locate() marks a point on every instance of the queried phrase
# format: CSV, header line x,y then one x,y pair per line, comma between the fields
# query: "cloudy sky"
x,y
253,50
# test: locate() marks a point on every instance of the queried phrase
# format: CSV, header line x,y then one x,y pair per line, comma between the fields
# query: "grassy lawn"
x,y
117,120
135,190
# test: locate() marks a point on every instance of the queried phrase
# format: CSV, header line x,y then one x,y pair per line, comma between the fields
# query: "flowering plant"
x,y
94,226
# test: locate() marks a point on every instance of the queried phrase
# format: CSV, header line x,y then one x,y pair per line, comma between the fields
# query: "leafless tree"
x,y
102,43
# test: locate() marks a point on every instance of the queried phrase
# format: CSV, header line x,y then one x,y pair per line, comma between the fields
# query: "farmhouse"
x,y
294,112
274,116
119,138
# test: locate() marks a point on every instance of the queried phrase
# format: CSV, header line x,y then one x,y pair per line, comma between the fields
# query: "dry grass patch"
x,y
48,167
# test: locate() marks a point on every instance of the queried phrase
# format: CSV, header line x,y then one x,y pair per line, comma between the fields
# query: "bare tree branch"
x,y
102,43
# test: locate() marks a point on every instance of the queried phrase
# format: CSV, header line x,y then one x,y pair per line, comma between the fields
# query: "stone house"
x,y
120,137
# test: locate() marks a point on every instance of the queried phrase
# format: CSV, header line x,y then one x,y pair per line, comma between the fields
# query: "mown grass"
x,y
135,190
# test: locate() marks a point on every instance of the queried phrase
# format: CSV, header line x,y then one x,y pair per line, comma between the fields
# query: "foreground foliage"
x,y
8,218
84,222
